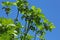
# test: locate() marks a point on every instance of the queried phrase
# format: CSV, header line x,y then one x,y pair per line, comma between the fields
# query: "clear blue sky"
x,y
51,9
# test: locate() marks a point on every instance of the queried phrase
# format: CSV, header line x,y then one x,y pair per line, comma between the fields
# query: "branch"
x,y
16,19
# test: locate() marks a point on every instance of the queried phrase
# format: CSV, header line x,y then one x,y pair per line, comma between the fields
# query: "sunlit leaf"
x,y
33,7
38,10
51,26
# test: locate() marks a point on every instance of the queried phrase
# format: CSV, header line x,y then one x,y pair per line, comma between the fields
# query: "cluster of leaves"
x,y
34,18
8,30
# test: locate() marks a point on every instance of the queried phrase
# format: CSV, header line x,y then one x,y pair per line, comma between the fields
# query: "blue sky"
x,y
51,9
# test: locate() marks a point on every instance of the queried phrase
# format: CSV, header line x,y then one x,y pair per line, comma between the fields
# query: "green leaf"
x,y
14,3
33,7
51,26
40,27
7,10
19,25
5,37
7,3
7,21
46,26
42,35
29,36
42,15
38,10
